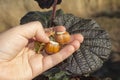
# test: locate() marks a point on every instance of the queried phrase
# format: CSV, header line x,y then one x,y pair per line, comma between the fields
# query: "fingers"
x,y
59,28
35,29
50,31
51,60
78,37
41,63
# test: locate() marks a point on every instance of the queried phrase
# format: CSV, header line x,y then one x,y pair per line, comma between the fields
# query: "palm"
x,y
18,60
26,64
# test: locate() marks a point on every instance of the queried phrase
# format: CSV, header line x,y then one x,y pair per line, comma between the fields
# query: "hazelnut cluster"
x,y
57,40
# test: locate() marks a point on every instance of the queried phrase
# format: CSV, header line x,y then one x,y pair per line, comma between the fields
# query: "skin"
x,y
18,60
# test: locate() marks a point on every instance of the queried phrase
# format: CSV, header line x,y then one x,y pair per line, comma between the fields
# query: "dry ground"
x,y
12,10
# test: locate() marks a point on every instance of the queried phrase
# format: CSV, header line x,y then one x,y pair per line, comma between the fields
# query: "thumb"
x,y
33,29
27,31
19,36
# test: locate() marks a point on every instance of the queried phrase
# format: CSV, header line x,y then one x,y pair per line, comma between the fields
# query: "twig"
x,y
53,12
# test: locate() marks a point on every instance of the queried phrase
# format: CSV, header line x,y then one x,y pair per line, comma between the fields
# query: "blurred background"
x,y
105,12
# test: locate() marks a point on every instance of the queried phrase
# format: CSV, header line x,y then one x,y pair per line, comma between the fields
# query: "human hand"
x,y
18,60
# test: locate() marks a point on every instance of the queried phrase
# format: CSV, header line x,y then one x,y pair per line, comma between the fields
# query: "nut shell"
x,y
62,37
52,47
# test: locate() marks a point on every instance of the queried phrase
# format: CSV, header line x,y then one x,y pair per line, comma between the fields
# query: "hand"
x,y
18,60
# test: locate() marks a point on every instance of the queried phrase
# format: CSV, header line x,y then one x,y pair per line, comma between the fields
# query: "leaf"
x,y
43,17
93,51
47,3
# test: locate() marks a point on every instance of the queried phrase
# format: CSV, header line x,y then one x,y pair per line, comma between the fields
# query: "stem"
x,y
53,12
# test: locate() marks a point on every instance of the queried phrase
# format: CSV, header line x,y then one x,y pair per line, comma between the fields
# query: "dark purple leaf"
x,y
93,51
47,3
